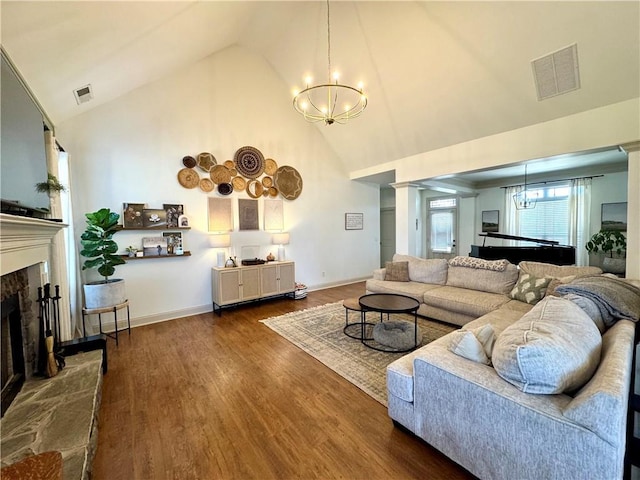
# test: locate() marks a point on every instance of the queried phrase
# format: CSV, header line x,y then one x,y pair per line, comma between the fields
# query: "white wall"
x,y
130,150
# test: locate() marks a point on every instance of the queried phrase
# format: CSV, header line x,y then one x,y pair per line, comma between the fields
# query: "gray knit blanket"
x,y
614,298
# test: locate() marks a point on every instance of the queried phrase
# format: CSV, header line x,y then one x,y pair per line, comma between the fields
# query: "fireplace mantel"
x,y
25,241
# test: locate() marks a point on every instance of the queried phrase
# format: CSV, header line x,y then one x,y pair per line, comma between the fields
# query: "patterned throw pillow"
x,y
397,271
530,289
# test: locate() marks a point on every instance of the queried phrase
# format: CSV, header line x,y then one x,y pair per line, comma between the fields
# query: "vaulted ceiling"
x,y
436,73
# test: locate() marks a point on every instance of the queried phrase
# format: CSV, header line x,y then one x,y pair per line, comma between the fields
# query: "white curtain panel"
x,y
73,252
511,226
579,218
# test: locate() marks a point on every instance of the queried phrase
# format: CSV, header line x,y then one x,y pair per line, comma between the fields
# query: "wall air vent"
x,y
83,94
557,72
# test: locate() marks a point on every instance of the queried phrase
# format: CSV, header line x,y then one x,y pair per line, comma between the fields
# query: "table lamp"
x,y
221,242
280,239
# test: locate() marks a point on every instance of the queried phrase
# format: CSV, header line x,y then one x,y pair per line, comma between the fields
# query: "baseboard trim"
x,y
197,310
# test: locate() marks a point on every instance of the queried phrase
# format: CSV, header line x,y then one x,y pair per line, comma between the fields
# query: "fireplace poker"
x,y
52,366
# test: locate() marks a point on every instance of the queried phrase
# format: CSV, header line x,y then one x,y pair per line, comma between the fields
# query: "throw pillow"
x,y
553,348
475,344
397,271
530,289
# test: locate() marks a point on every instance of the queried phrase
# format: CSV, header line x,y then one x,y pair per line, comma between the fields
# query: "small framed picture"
x,y
174,242
614,216
132,215
154,246
353,221
490,221
173,212
183,221
154,217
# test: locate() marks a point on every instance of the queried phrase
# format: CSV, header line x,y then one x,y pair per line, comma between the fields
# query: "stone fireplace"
x,y
26,263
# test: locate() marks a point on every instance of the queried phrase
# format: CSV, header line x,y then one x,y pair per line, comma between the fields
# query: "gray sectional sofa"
x,y
484,416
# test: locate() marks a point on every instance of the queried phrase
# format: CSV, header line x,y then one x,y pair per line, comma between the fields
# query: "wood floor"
x,y
208,397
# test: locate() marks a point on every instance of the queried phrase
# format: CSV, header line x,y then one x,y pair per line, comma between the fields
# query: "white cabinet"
x,y
240,284
277,278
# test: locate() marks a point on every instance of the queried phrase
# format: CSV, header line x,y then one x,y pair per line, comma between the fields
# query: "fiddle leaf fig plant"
x,y
97,244
608,242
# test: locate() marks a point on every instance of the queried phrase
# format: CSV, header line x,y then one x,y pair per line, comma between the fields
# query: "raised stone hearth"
x,y
59,413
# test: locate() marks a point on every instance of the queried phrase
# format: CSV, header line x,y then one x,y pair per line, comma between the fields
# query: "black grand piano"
x,y
547,251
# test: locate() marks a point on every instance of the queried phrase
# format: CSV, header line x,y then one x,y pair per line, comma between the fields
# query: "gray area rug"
x,y
319,332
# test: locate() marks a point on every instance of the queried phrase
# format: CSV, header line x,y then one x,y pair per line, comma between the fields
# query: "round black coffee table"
x,y
390,303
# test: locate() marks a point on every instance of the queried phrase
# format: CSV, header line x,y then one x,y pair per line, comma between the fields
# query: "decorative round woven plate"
x,y
270,166
225,188
238,183
267,182
188,178
206,185
288,181
206,161
249,161
229,164
254,188
220,174
273,192
189,161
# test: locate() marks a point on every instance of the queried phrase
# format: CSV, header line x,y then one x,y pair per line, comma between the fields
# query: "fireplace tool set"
x,y
50,361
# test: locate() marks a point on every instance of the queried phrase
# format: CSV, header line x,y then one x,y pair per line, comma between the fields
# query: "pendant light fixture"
x,y
330,102
523,199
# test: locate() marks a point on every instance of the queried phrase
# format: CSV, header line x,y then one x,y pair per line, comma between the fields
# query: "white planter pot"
x,y
614,265
100,294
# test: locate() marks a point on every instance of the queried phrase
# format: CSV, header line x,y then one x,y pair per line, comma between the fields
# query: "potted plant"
x,y
608,243
101,252
131,250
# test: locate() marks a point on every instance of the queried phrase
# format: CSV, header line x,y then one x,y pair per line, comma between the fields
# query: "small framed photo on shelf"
x,y
353,221
614,216
490,221
154,217
183,221
173,212
154,246
174,242
132,215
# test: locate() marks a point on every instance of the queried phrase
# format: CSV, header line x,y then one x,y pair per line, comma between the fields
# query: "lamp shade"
x,y
219,241
280,238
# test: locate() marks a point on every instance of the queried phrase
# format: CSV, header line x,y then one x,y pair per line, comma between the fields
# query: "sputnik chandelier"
x,y
330,102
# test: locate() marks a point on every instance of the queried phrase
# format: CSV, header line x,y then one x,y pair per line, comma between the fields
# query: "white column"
x,y
633,207
407,198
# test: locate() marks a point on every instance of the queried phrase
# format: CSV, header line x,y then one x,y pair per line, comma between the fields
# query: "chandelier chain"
x,y
328,42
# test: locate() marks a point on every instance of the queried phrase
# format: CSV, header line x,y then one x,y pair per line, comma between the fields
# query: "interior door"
x,y
387,235
441,242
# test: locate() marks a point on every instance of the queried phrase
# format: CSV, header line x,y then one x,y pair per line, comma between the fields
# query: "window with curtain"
x,y
562,213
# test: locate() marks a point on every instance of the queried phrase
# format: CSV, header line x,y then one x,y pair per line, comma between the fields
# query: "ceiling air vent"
x,y
83,94
557,72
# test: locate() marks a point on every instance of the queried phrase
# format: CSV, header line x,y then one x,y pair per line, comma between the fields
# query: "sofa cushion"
x,y
530,289
396,271
554,348
411,289
425,270
475,344
470,302
540,269
483,280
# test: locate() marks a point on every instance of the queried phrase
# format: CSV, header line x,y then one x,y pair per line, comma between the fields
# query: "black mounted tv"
x,y
23,161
